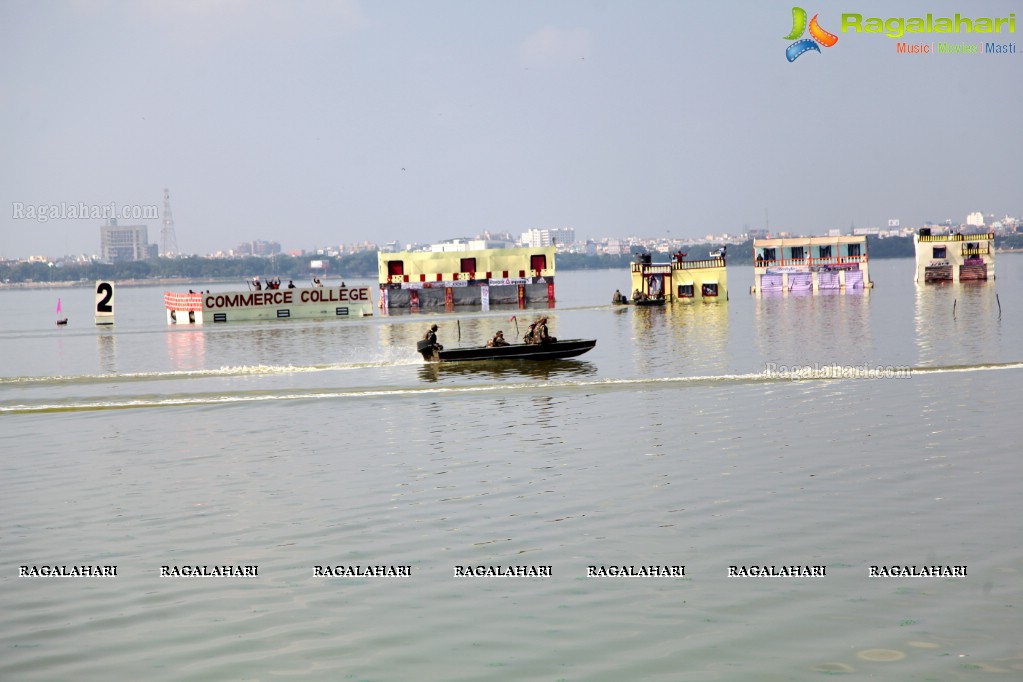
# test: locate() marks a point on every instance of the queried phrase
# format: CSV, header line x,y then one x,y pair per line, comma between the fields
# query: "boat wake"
x,y
524,387
175,375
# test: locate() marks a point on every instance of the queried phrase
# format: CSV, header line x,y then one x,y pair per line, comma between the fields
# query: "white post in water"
x,y
104,302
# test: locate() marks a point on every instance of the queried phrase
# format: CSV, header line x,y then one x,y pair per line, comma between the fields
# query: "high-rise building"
x,y
168,239
258,247
549,236
119,243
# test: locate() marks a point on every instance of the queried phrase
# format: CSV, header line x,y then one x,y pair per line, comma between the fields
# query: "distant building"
x,y
466,244
548,236
258,248
120,243
975,219
615,247
497,240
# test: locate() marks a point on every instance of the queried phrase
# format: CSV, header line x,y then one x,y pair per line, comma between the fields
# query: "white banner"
x,y
435,285
104,302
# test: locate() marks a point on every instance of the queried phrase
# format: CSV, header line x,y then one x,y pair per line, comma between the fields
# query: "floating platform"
x,y
679,280
416,280
954,257
811,265
313,303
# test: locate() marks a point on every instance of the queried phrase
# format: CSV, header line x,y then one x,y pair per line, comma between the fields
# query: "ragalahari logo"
x,y
818,35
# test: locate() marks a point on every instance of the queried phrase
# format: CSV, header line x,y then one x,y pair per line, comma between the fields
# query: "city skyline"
x,y
261,246
335,122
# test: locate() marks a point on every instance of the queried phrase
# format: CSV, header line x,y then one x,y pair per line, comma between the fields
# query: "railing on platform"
x,y
441,278
667,268
699,264
978,251
652,268
809,262
989,236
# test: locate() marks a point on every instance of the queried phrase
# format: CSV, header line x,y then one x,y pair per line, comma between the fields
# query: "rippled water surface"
x,y
752,432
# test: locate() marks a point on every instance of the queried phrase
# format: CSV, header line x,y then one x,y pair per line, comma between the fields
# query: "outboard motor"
x,y
425,348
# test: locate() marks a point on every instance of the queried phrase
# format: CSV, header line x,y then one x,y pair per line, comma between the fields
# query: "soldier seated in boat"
x,y
638,295
528,337
541,333
498,340
617,299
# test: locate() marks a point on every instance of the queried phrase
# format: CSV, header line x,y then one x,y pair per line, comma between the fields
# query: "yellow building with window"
x,y
412,279
679,279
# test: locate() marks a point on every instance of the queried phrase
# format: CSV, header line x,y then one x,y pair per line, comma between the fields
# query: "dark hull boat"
x,y
555,350
649,302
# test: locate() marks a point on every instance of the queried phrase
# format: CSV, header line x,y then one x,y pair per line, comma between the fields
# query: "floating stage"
x,y
954,257
416,280
313,303
811,265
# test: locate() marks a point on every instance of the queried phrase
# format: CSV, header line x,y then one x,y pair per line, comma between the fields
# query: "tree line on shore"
x,y
363,264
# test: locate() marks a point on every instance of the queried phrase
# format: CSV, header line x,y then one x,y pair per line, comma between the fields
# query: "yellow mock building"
x,y
679,279
412,279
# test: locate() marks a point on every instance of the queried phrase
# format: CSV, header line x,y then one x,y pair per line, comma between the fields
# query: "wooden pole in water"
x,y
459,323
954,301
999,306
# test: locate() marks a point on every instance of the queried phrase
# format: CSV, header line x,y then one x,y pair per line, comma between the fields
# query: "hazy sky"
x,y
313,123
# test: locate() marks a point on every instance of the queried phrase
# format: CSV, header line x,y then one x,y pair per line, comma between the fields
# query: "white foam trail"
x,y
520,387
241,370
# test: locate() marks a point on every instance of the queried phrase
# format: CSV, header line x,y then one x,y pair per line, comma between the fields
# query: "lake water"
x,y
843,431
